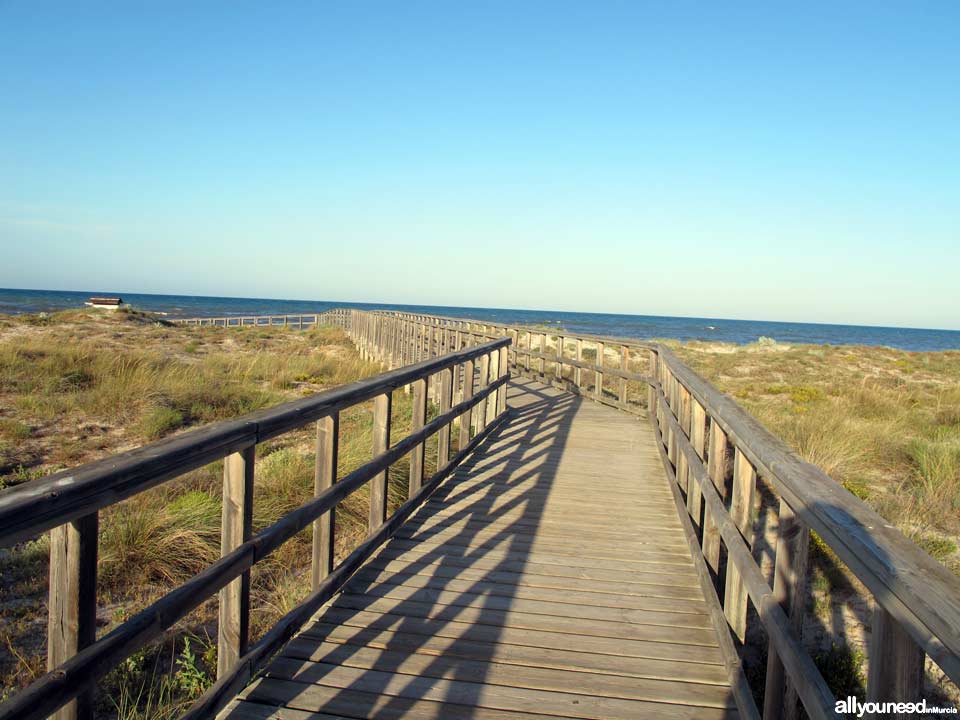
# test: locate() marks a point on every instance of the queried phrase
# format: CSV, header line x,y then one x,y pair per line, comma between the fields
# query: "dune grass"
x,y
81,385
885,423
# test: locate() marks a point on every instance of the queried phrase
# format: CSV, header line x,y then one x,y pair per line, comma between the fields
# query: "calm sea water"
x,y
623,326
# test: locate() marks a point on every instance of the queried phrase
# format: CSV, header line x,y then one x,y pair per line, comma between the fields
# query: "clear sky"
x,y
783,161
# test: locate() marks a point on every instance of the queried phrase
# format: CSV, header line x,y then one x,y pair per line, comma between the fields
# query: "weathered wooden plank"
x,y
915,589
896,663
418,418
325,475
789,584
299,664
72,614
717,469
233,627
741,511
446,401
570,658
698,433
382,409
402,583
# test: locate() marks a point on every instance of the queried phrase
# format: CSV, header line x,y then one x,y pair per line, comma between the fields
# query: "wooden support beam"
x,y
481,421
789,586
683,416
233,630
446,402
717,454
382,409
625,366
502,390
325,475
419,417
698,437
494,373
741,512
559,368
896,663
72,607
598,373
465,419
653,369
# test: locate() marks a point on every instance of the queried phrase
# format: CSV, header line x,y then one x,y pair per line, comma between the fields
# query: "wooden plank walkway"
x,y
548,577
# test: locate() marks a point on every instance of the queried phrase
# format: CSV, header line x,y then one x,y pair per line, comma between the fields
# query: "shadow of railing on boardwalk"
x,y
528,449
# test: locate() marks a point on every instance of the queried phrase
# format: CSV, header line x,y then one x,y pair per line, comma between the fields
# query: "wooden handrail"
x,y
31,508
917,609
702,431
367,335
365,328
714,452
68,500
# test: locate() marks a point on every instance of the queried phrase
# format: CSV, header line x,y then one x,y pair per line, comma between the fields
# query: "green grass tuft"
x,y
160,421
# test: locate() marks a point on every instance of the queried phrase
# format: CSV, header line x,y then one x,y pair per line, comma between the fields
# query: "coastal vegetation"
x,y
884,423
79,386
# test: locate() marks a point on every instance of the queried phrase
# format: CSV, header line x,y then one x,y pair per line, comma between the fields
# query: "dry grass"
x,y
78,386
885,423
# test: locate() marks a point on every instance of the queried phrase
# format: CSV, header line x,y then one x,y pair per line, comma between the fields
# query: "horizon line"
x,y
472,307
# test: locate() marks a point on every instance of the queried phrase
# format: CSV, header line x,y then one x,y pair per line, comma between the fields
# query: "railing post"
x,y
789,582
446,401
579,373
543,351
716,469
598,373
741,512
559,373
72,623
494,373
625,366
325,475
896,662
481,407
419,417
698,437
502,390
233,630
468,370
382,408
683,417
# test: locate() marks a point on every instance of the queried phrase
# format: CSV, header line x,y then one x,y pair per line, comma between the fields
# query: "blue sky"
x,y
748,160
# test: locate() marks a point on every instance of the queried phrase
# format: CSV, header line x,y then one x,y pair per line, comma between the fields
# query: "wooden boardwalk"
x,y
550,576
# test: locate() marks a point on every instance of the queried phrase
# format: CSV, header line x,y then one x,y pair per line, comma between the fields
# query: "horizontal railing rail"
x,y
716,451
564,367
297,320
715,454
69,503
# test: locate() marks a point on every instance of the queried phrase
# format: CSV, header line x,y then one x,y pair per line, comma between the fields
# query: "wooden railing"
x,y
553,357
68,504
299,322
714,452
610,374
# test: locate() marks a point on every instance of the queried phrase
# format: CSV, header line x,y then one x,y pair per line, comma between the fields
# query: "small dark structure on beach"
x,y
107,303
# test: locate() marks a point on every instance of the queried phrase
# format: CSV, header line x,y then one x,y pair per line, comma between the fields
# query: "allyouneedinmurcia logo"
x,y
852,706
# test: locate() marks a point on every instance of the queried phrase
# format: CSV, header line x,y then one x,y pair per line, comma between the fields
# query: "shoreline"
x,y
638,327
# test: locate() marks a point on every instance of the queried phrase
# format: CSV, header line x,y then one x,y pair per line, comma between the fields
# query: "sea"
x,y
621,326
